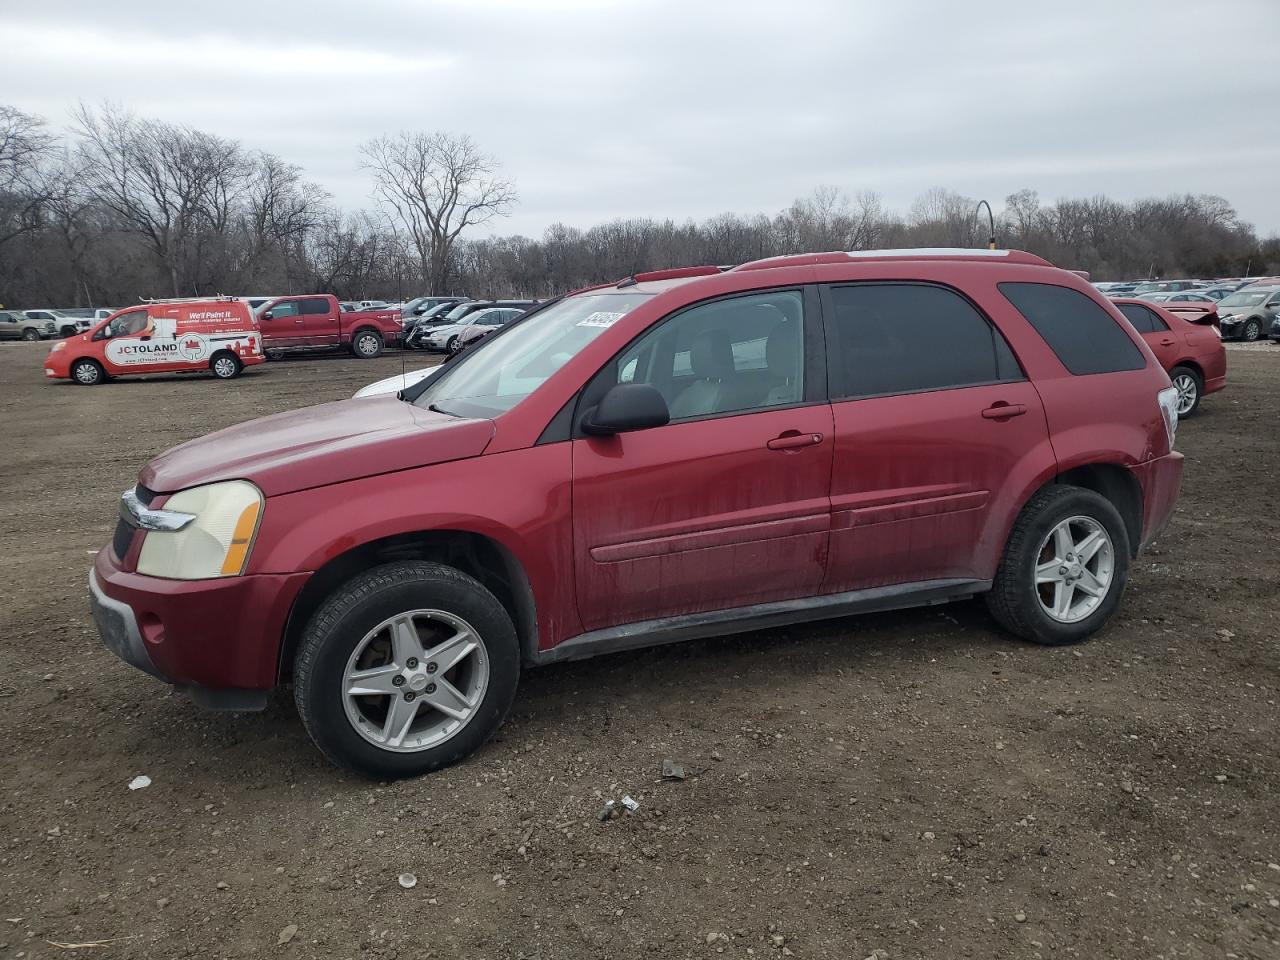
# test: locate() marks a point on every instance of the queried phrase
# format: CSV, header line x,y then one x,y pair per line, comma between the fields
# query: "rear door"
x,y
932,417
727,505
1162,341
320,326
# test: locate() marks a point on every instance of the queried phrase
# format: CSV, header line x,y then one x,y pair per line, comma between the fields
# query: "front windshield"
x,y
505,369
1242,300
458,312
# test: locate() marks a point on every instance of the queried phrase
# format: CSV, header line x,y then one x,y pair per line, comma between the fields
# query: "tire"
x,y
1018,602
355,619
30,335
88,373
1190,390
451,346
1252,330
67,332
366,344
225,365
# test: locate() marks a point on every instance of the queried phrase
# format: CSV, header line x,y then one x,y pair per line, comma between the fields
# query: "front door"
x,y
727,505
933,421
282,325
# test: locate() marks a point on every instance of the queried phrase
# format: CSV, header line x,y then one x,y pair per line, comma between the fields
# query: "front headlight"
x,y
216,543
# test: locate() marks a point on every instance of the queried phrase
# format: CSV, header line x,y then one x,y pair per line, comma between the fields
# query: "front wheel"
x,y
366,344
1190,387
87,373
1252,331
408,668
452,345
1064,567
225,366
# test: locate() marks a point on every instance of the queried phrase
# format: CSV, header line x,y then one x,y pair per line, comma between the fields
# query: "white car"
x,y
67,326
393,385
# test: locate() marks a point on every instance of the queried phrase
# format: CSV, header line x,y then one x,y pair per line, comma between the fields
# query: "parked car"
x,y
1161,286
1218,292
440,315
393,385
430,316
1191,353
484,323
1185,296
399,561
1249,313
314,321
216,335
420,305
446,336
66,326
16,325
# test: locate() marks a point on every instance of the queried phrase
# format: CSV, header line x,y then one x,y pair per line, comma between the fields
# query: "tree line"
x,y
130,207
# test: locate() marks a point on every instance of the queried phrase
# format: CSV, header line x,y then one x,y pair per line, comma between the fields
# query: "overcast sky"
x,y
648,108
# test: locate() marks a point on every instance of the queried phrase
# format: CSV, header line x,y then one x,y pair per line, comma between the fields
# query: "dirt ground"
x,y
917,783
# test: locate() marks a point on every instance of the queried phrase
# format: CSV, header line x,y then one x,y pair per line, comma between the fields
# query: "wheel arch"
x,y
1112,481
492,563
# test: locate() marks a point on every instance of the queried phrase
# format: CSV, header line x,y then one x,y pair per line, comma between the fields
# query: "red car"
x,y
683,454
316,321
1188,347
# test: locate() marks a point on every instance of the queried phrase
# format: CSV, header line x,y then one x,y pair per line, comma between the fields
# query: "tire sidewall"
x,y
360,338
29,335
1251,326
319,681
1083,503
213,366
87,383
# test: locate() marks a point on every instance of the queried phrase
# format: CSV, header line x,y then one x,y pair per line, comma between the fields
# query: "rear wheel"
x,y
1190,386
87,372
225,366
366,344
1252,330
1064,567
30,334
408,668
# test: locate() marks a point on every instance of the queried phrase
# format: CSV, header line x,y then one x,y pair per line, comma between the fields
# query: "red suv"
x,y
683,454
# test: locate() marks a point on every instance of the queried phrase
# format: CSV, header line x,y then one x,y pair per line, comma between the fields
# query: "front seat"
x,y
711,357
782,357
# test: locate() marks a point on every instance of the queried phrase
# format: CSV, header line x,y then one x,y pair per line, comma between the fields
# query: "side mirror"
x,y
626,407
266,315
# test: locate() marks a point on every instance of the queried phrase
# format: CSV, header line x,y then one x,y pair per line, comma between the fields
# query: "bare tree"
x,y
436,185
174,186
24,148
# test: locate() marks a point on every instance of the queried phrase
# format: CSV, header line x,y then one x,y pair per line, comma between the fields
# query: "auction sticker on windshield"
x,y
600,319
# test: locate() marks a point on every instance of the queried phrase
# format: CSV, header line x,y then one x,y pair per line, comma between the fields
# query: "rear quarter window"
x,y
1084,337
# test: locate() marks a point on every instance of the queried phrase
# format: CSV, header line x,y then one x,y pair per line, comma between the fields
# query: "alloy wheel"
x,y
415,680
1075,567
224,367
367,344
1187,393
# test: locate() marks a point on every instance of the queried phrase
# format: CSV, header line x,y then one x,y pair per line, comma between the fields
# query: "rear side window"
x,y
1143,320
896,338
1083,335
315,306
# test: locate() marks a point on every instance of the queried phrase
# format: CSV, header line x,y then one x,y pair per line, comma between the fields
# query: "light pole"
x,y
991,220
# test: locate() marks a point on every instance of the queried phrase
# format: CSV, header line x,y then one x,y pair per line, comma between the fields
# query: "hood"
x,y
316,446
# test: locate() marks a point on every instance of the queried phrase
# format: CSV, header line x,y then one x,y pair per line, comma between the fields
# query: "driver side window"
x,y
732,355
289,308
125,325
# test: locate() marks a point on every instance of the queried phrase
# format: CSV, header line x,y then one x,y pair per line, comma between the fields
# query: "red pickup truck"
x,y
316,321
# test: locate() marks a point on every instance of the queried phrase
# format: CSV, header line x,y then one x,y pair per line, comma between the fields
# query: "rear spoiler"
x,y
1205,314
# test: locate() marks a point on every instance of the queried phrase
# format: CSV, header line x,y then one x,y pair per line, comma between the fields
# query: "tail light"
x,y
1168,398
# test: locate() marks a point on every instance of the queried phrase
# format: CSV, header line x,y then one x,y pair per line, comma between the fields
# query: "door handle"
x,y
794,440
1004,411
1167,342
297,321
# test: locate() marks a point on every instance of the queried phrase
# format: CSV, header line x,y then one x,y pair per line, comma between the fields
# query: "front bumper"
x,y
220,639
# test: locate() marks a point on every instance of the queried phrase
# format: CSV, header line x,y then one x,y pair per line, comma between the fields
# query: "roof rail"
x,y
676,273
220,296
909,253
